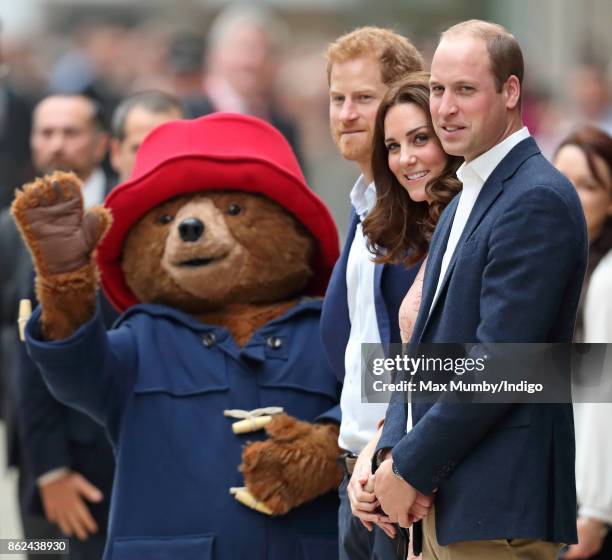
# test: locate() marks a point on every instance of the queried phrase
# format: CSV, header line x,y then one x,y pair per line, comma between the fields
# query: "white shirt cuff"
x,y
601,514
52,476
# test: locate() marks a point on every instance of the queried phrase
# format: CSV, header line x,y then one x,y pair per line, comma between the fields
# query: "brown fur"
x,y
294,466
269,259
68,299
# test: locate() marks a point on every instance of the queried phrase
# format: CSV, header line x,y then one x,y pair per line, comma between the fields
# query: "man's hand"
x,y
360,491
591,534
64,503
398,499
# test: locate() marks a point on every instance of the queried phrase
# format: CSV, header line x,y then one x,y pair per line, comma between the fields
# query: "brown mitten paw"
x,y
61,238
294,466
60,235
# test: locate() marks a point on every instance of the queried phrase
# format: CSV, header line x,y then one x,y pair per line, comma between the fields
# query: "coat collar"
x,y
164,312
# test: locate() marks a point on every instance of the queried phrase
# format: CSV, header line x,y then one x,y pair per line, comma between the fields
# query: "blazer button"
x,y
209,339
274,342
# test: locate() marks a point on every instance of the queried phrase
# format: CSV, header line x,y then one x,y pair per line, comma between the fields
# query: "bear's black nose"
x,y
191,229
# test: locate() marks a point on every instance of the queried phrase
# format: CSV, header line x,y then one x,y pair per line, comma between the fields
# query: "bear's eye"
x,y
164,219
234,209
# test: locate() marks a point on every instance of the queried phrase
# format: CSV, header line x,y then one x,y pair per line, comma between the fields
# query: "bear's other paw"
x,y
296,465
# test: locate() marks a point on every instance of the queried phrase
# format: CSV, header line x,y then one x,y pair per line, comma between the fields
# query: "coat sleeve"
x,y
533,252
42,420
93,370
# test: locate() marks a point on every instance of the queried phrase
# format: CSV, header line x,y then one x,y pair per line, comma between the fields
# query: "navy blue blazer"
x,y
54,435
391,282
502,470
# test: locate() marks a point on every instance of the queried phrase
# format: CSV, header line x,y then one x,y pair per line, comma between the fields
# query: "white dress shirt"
x,y
94,189
359,419
473,175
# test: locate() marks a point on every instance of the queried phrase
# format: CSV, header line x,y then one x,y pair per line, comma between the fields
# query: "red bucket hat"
x,y
219,151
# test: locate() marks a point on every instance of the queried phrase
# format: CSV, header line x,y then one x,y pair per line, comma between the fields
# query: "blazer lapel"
x,y
491,189
382,317
432,269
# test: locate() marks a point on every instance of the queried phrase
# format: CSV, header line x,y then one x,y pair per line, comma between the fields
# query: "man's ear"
x,y
512,89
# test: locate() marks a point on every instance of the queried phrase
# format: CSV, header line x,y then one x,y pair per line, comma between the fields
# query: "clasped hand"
x,y
401,502
383,498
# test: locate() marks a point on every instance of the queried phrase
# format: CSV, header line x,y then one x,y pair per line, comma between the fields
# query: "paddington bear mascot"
x,y
212,385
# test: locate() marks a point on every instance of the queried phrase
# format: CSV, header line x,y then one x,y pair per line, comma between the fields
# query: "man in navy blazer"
x,y
67,462
362,300
506,265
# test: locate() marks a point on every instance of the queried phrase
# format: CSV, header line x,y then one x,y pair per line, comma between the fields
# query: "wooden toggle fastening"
x,y
25,310
246,498
252,420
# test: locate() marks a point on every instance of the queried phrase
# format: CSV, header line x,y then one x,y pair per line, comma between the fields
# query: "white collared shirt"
x,y
473,175
94,188
359,419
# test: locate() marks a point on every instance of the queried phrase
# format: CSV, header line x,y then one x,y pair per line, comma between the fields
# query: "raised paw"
x,y
60,236
51,190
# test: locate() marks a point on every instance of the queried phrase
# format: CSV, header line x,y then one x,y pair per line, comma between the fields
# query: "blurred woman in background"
x,y
585,158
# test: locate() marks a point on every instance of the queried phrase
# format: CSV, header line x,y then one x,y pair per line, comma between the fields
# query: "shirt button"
x,y
209,339
274,342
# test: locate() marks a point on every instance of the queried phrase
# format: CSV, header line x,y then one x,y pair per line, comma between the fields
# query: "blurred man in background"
x,y
15,121
133,119
64,459
244,43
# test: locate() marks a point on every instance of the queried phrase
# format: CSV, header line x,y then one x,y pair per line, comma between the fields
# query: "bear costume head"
x,y
217,213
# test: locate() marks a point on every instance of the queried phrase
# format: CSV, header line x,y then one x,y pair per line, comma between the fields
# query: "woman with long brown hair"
x,y
415,180
585,158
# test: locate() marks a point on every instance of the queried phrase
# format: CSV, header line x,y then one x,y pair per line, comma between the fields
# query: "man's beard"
x,y
56,165
353,149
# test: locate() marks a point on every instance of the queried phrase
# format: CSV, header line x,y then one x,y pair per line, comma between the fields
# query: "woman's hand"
x,y
591,535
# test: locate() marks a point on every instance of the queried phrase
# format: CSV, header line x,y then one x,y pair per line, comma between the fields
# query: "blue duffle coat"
x,y
159,381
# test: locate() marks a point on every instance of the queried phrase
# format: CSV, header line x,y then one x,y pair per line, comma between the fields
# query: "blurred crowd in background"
x,y
269,62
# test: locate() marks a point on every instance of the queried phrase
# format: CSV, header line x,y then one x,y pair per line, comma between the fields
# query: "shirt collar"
x,y
93,188
486,163
363,197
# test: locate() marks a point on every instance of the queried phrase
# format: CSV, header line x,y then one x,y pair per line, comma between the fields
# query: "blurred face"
x,y
65,138
414,156
469,115
245,59
595,196
355,92
138,124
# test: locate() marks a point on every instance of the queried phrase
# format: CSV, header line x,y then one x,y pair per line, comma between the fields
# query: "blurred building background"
x,y
119,46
